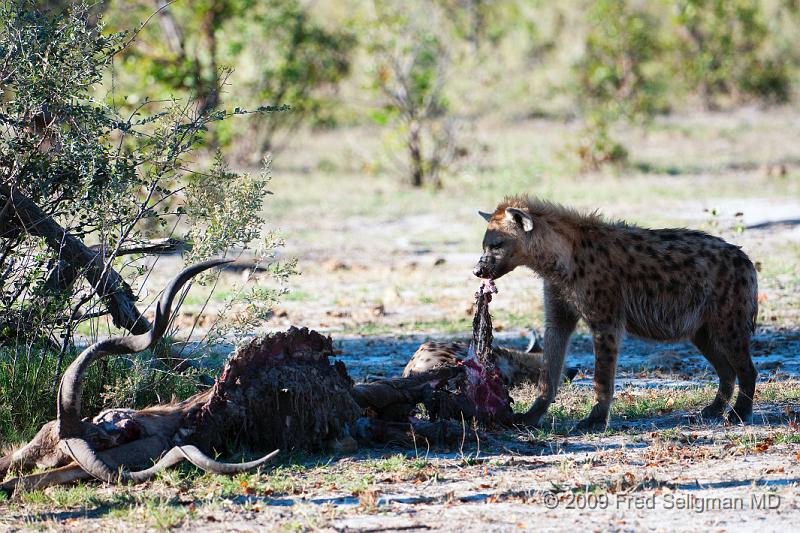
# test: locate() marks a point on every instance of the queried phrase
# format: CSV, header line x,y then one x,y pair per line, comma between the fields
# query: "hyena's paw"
x,y
534,415
526,419
740,416
712,411
596,421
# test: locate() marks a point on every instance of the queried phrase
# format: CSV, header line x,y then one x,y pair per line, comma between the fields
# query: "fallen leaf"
x,y
763,445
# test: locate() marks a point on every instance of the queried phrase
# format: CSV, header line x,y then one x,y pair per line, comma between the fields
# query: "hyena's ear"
x,y
520,217
486,216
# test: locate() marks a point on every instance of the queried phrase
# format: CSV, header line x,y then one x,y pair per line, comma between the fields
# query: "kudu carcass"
x,y
117,439
277,391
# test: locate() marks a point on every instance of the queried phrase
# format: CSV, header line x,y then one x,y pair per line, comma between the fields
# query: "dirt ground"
x,y
661,473
384,268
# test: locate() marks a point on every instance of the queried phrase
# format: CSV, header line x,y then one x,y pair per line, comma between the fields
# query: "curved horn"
x,y
91,463
70,391
140,451
204,462
535,344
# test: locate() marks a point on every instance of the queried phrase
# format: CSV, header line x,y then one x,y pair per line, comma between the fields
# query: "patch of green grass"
x,y
513,319
786,437
398,464
759,442
782,261
778,391
91,329
637,403
283,479
202,294
393,463
156,512
298,296
669,434
82,496
574,403
668,169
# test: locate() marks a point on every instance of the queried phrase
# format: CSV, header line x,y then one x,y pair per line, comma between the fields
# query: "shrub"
x,y
84,191
619,75
724,49
410,72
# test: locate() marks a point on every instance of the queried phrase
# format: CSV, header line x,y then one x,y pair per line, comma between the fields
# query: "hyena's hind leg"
x,y
725,372
738,351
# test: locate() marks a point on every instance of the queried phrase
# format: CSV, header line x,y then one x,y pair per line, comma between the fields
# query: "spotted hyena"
x,y
660,284
516,366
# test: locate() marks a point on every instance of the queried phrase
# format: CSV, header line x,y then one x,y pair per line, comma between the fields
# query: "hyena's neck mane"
x,y
556,236
566,218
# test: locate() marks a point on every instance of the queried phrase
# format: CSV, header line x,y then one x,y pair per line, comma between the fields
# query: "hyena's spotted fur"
x,y
663,284
516,367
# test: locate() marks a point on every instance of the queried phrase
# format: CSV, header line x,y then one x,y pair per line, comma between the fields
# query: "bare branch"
x,y
109,285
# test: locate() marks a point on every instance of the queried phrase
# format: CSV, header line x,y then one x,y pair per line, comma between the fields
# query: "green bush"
x,y
725,49
283,54
411,62
619,76
84,186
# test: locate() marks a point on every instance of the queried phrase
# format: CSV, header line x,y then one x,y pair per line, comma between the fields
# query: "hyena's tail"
x,y
753,298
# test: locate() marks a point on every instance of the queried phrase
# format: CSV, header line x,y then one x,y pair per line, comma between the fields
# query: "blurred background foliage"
x,y
423,70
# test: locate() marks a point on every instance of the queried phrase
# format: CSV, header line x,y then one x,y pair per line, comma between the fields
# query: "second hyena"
x,y
659,284
515,366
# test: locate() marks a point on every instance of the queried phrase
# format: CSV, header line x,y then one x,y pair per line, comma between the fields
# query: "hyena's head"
x,y
505,242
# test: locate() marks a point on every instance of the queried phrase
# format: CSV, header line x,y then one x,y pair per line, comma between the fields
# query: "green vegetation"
x,y
727,50
190,51
425,72
85,187
412,61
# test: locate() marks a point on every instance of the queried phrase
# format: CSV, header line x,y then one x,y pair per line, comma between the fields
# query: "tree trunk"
x,y
415,153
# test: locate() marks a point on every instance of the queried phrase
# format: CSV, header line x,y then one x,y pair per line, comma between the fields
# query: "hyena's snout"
x,y
484,268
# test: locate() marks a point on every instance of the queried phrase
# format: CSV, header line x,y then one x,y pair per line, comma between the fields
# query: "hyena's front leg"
x,y
606,347
560,322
